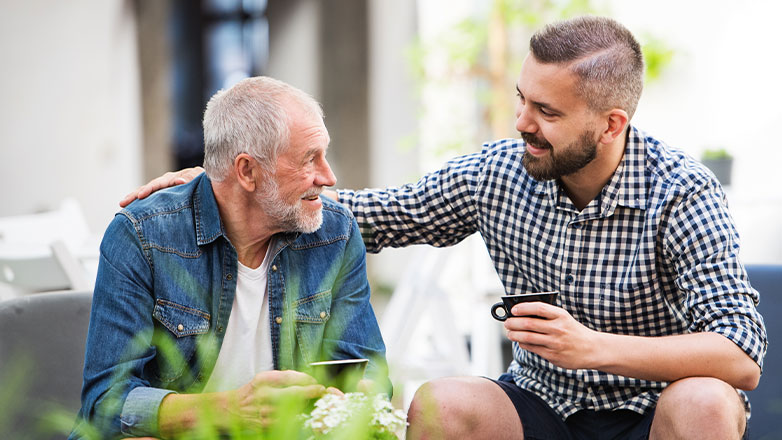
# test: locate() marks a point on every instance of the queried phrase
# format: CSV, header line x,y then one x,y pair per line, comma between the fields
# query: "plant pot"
x,y
721,168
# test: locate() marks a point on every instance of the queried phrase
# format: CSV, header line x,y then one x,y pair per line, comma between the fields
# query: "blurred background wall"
x,y
70,112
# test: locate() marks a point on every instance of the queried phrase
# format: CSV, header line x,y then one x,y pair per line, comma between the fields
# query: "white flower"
x,y
333,412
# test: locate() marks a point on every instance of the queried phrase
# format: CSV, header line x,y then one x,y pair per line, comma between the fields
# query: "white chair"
x,y
46,251
437,322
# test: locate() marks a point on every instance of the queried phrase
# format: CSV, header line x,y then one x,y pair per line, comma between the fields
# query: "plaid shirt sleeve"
x,y
703,244
437,210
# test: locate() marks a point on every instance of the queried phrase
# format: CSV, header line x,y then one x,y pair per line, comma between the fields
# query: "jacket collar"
x,y
208,224
207,216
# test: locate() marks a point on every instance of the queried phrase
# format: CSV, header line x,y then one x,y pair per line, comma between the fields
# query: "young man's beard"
x,y
575,156
288,217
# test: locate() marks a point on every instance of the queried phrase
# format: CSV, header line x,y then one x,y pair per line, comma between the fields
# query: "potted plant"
x,y
720,162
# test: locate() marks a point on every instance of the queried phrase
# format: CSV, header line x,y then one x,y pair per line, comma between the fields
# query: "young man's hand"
x,y
171,178
558,337
174,178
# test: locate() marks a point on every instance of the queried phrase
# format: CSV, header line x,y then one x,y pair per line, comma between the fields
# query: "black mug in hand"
x,y
508,301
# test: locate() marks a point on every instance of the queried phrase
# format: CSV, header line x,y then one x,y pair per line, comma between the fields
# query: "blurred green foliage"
x,y
716,154
490,49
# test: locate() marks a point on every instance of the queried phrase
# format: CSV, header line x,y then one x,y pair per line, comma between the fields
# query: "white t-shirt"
x,y
247,345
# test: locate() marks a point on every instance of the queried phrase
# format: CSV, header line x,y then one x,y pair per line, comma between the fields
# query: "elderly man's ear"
x,y
247,171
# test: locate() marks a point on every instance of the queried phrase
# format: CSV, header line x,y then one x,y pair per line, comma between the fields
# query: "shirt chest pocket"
x,y
176,338
311,315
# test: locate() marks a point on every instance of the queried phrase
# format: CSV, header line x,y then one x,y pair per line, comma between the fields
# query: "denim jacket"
x,y
163,296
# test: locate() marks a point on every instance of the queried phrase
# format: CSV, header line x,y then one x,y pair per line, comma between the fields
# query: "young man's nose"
x,y
524,121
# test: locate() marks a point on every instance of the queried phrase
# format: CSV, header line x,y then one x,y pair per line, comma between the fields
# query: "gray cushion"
x,y
766,399
42,338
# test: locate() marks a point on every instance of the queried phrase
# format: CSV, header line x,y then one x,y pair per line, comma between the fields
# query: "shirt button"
x,y
322,314
274,268
229,277
278,320
180,327
569,279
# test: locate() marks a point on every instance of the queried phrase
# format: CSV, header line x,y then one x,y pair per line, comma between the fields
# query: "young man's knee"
x,y
426,414
433,399
445,408
701,392
701,404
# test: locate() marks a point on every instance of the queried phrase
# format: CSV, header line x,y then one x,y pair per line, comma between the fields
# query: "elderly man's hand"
x,y
253,406
256,402
172,178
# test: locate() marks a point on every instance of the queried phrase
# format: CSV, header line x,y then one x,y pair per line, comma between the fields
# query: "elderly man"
x,y
655,330
205,291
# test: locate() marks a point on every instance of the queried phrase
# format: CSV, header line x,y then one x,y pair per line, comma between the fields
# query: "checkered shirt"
x,y
656,253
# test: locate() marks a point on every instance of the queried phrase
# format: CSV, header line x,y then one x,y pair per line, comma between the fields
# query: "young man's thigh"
x,y
540,422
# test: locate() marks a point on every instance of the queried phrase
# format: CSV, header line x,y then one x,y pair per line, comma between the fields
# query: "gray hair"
x,y
604,56
250,117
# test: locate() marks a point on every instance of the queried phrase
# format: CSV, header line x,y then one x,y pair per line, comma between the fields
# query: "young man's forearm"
x,y
669,358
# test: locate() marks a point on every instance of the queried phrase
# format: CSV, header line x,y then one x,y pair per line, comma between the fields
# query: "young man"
x,y
655,328
205,290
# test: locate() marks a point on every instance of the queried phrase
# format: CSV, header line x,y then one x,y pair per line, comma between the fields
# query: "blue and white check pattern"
x,y
656,253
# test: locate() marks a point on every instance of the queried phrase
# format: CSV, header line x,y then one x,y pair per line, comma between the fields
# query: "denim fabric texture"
x,y
163,296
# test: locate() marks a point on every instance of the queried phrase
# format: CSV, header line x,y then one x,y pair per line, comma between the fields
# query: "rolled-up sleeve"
x,y
140,412
704,243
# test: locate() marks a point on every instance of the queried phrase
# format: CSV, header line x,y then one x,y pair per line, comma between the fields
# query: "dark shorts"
x,y
540,422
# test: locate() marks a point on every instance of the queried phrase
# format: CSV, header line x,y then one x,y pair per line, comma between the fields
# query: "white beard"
x,y
288,217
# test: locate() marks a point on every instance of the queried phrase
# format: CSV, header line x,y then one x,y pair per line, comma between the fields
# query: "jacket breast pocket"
x,y
311,314
176,338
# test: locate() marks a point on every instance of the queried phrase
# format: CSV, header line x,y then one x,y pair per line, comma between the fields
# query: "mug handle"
x,y
494,314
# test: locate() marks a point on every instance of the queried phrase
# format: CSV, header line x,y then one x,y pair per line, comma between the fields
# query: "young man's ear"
x,y
246,171
616,123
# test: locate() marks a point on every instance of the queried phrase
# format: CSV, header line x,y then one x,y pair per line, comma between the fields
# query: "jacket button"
x,y
274,268
322,314
229,277
220,329
278,320
180,327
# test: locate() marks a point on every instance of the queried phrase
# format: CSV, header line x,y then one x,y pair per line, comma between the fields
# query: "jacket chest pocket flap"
x,y
181,320
311,314
314,309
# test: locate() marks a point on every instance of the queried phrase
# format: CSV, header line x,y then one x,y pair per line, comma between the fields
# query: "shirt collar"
x,y
628,185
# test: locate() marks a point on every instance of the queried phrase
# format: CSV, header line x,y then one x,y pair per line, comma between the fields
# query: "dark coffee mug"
x,y
508,301
343,374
